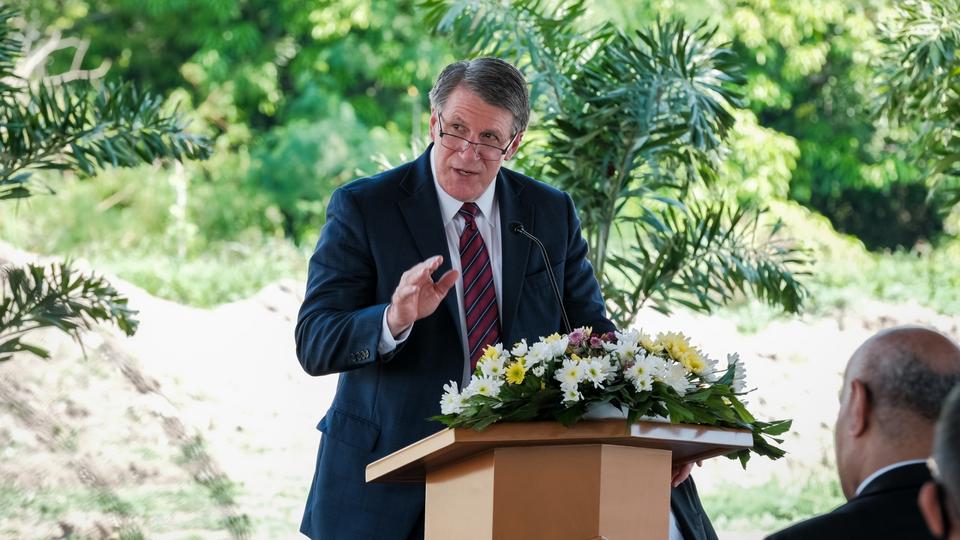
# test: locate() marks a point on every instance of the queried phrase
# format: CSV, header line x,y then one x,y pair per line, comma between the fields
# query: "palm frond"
x,y
9,47
703,257
55,296
82,128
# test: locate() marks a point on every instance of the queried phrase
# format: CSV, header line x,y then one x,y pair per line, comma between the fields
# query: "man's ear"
x,y
860,408
514,146
930,508
433,124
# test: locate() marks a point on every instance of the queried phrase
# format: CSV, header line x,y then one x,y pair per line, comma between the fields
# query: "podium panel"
x,y
597,480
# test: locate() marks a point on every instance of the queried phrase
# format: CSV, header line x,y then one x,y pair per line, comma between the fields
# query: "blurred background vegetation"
x,y
845,132
301,97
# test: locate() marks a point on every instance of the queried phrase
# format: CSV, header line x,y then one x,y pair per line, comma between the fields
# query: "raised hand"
x,y
417,295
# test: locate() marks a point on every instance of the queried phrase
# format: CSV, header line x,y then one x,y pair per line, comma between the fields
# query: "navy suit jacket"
x,y
376,229
886,508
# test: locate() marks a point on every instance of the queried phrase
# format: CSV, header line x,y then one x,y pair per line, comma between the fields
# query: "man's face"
x,y
464,175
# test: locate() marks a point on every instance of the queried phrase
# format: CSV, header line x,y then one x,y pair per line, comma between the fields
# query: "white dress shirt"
x,y
488,222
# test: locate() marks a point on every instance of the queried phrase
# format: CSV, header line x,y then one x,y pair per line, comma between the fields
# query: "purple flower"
x,y
576,337
596,342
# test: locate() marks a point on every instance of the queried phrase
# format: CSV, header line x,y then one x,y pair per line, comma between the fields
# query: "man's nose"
x,y
475,153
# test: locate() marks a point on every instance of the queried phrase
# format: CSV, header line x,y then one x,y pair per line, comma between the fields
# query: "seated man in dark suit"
x,y
940,497
893,389
416,270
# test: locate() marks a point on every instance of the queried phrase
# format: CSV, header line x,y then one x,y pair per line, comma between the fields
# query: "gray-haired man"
x,y
399,245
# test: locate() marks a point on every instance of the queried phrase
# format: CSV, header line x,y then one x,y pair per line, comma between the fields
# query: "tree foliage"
x,y
633,124
300,95
77,127
920,84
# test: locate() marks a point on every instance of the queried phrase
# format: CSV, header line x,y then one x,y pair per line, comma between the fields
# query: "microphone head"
x,y
516,227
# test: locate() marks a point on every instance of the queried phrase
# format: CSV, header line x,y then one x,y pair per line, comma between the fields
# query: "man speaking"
x,y
416,271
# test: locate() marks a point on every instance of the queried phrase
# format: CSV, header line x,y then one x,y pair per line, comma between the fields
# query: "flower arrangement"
x,y
561,377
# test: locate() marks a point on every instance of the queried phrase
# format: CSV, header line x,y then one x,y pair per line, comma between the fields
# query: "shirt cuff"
x,y
387,342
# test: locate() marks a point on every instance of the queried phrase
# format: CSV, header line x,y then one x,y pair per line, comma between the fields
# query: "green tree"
x,y
70,127
633,124
919,78
278,81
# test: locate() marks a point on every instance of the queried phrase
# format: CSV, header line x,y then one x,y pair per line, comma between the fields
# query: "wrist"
x,y
396,327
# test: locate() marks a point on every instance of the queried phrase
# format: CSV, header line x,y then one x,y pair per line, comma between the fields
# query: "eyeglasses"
x,y
942,496
486,152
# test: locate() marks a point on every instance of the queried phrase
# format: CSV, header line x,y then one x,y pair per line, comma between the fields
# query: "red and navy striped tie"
x,y
479,296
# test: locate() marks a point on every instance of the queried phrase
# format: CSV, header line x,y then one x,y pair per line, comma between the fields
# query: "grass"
x,y
157,509
772,505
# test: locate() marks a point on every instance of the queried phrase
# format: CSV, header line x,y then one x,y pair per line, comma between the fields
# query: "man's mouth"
x,y
464,172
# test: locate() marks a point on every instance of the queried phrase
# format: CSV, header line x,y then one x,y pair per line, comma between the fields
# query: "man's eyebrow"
x,y
457,119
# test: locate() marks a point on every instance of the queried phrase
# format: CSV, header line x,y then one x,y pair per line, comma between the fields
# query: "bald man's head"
x,y
908,371
893,389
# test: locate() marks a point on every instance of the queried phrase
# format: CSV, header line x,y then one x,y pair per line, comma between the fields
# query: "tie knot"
x,y
469,211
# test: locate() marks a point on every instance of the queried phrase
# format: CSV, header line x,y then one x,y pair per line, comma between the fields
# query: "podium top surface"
x,y
687,442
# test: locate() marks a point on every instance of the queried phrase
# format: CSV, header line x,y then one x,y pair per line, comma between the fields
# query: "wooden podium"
x,y
601,479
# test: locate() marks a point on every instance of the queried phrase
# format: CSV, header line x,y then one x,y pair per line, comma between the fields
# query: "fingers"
x,y
681,473
420,273
405,302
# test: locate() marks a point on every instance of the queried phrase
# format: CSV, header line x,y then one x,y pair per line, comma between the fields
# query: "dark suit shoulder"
x,y
892,514
526,185
825,527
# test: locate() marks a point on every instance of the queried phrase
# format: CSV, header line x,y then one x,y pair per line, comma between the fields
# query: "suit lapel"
x,y
516,249
421,212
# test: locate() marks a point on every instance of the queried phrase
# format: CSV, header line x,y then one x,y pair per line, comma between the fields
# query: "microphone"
x,y
517,228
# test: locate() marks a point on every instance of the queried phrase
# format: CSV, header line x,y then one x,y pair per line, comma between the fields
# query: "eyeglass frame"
x,y
476,145
946,502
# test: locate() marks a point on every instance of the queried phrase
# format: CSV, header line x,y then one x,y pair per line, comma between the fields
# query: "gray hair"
x,y
946,449
911,385
497,82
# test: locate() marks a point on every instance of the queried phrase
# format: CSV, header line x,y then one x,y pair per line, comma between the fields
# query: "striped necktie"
x,y
479,295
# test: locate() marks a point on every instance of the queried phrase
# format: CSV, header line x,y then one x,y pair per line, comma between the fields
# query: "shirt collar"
x,y
863,485
450,206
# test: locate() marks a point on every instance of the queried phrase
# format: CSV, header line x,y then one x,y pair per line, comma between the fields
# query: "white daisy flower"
x,y
520,348
571,373
452,401
485,386
594,371
643,383
676,377
571,395
492,366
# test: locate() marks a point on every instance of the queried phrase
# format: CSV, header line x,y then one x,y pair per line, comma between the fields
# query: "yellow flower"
x,y
542,385
551,338
692,360
516,372
674,343
652,347
490,353
576,357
